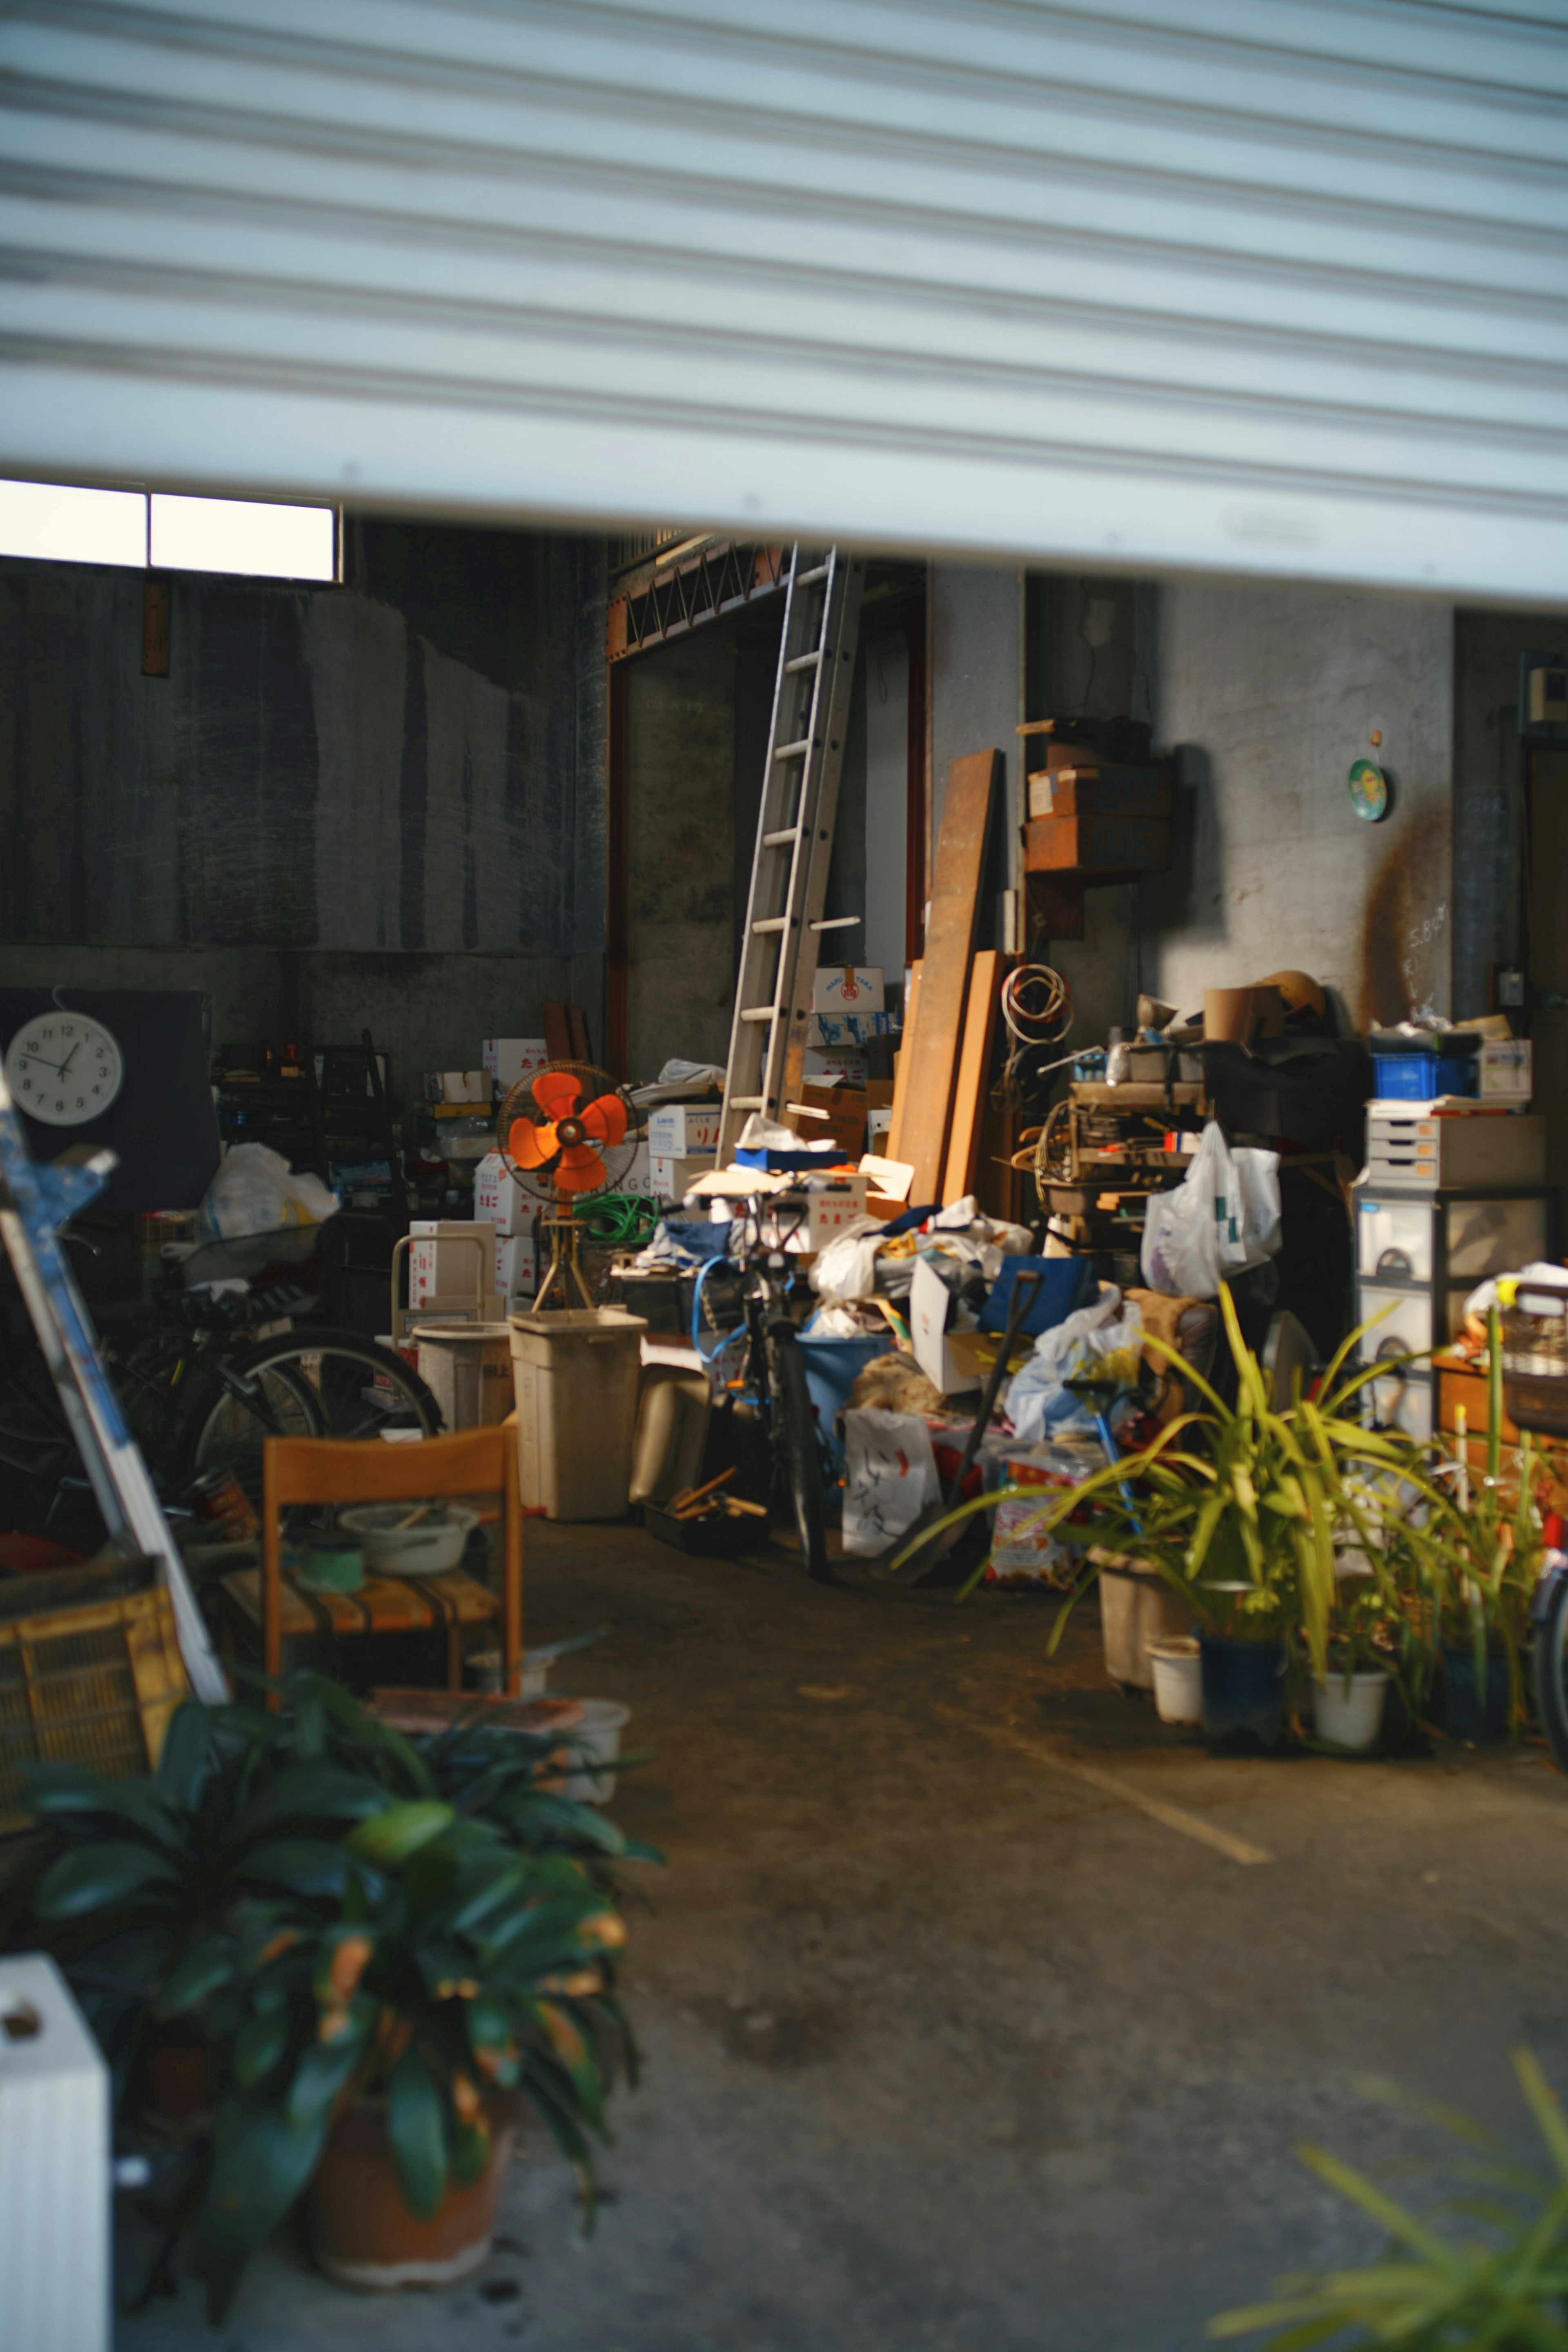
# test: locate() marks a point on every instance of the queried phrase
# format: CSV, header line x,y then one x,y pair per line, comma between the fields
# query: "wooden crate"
x,y
1100,791
1102,845
93,1686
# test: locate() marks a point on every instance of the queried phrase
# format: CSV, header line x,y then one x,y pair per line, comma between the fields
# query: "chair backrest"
x,y
338,1470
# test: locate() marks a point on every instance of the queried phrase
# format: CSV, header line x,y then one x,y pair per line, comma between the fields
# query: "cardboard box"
x,y
443,1262
835,1065
811,1218
1089,845
891,1178
1507,1069
848,988
931,1309
676,1130
1101,790
516,1265
672,1175
510,1059
639,1177
850,1028
499,1198
457,1087
844,1109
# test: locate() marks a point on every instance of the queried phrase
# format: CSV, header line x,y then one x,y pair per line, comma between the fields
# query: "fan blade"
x,y
556,1092
581,1170
605,1119
528,1145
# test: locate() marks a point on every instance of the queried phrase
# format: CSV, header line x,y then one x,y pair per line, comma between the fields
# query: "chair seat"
x,y
385,1604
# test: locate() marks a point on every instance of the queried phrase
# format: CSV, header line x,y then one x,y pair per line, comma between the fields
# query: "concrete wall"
x,y
1488,792
1267,694
975,642
381,803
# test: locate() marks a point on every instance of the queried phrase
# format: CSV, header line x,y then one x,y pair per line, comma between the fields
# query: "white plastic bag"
x,y
846,1269
890,1476
1221,1219
255,1192
1101,1343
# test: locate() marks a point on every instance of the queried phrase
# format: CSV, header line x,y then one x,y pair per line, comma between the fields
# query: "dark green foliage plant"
x,y
341,1913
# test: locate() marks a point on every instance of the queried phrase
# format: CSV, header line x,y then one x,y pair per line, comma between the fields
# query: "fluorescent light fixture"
x,y
243,535
61,525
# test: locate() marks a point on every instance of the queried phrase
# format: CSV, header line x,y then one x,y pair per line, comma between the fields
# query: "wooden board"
x,y
557,1033
974,1065
902,1063
932,1046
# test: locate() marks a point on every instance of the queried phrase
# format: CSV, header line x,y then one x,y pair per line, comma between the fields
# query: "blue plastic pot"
x,y
1475,1713
1244,1689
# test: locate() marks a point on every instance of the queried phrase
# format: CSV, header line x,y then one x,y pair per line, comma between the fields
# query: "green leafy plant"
x,y
344,1914
1242,1508
1501,2288
1471,1554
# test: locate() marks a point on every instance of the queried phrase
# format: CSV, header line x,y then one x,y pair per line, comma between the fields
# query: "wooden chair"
x,y
328,1470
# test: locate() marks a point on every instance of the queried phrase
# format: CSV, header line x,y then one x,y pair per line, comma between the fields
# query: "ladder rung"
x,y
793,750
809,579
748,1102
771,923
838,923
804,661
760,1013
781,840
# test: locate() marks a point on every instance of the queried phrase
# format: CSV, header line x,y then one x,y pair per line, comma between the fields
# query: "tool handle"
x,y
1025,1284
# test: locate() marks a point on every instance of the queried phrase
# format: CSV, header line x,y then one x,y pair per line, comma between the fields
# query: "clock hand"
x,y
58,1068
70,1059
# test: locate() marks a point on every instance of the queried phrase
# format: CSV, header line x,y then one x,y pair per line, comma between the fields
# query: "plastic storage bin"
x,y
576,1377
467,1368
1422,1077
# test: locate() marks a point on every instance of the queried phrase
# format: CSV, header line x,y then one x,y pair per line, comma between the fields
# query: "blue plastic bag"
x,y
1066,1284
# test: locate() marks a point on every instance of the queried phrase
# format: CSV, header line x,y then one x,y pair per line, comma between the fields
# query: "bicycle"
x,y
773,1373
232,1364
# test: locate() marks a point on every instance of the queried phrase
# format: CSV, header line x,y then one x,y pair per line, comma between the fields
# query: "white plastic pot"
x,y
597,1742
1177,1663
1350,1715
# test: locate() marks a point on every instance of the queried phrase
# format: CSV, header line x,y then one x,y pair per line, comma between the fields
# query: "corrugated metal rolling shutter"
x,y
1279,287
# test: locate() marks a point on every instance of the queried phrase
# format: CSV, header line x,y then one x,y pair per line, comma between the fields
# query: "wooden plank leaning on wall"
x,y
933,1034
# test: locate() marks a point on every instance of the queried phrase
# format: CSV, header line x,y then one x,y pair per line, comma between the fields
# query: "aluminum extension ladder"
x,y
794,838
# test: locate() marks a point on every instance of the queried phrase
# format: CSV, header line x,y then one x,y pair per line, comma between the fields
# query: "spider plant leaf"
x,y
1399,2223
185,1756
392,1837
1545,2106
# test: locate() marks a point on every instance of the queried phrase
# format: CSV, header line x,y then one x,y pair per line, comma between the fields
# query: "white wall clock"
x,y
64,1068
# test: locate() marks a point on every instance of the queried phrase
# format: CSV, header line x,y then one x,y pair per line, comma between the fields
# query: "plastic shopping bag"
x,y
1223,1218
256,1192
1101,1343
890,1476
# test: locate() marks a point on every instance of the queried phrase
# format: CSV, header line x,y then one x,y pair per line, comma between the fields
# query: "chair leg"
x,y
454,1657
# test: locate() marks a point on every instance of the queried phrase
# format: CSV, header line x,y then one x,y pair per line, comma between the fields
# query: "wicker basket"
x,y
93,1686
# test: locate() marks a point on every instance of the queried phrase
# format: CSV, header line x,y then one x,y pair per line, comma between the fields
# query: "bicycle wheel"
x,y
1552,1671
798,1462
312,1382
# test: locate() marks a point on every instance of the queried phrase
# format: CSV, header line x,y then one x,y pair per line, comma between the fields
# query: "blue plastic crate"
x,y
1421,1078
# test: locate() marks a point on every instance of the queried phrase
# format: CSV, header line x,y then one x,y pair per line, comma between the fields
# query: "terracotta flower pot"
x,y
365,2235
172,2090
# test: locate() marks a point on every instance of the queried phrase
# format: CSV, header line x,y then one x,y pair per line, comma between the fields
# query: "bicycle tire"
x,y
294,1398
1551,1669
799,1463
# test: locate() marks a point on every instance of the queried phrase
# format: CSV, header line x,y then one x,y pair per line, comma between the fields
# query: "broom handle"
x,y
1024,1286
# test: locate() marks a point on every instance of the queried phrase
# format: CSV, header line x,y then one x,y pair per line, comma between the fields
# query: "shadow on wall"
x,y
1406,916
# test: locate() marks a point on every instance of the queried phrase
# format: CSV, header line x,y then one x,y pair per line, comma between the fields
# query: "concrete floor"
x,y
949,2041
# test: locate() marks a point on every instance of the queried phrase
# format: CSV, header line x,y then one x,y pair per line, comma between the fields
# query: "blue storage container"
x,y
1421,1078
832,1368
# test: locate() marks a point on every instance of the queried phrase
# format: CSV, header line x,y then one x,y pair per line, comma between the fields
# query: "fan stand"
x,y
564,1269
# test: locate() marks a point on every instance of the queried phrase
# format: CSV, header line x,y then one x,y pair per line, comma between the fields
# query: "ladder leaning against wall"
x,y
794,838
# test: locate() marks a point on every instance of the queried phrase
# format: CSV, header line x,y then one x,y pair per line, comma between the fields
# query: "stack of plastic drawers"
x,y
1444,1201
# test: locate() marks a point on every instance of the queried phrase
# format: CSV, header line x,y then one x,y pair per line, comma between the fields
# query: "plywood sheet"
x,y
902,1062
969,1092
932,1048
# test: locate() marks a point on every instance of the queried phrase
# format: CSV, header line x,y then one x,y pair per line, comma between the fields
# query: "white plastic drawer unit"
x,y
54,2167
1404,1402
1402,1320
1397,1234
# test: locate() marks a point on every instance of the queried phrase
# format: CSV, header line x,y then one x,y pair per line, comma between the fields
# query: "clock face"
x,y
64,1069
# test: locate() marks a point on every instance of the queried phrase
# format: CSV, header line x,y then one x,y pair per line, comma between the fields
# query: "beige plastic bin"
x,y
1137,1608
467,1367
673,1412
575,1376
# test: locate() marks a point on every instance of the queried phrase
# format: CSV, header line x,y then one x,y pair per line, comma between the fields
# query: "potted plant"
x,y
1476,1550
386,1944
1242,1510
